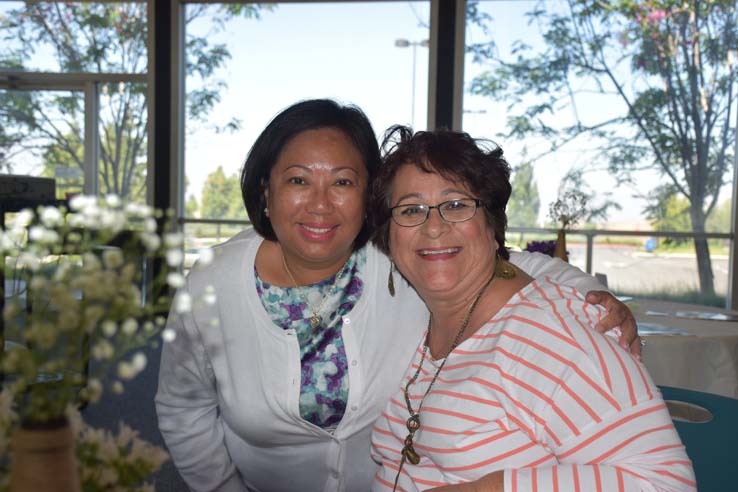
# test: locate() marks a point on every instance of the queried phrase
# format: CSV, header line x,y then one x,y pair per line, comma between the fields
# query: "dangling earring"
x,y
266,211
504,269
391,279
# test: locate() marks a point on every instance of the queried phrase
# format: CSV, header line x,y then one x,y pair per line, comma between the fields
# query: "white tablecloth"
x,y
684,352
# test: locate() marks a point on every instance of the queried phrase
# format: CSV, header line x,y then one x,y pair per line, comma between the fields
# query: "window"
x,y
597,101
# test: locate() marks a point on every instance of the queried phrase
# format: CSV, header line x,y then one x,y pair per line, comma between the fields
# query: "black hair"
x,y
306,115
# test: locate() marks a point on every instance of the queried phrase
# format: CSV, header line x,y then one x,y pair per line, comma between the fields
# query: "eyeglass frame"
x,y
477,203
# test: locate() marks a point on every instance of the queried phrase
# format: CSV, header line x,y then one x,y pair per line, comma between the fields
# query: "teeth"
x,y
317,230
439,251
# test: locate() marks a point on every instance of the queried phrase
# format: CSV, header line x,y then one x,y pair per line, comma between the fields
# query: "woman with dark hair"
x,y
276,376
510,387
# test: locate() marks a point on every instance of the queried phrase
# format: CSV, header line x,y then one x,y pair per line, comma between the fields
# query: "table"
x,y
696,354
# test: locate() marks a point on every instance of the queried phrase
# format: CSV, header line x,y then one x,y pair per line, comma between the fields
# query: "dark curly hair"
x,y
306,115
456,156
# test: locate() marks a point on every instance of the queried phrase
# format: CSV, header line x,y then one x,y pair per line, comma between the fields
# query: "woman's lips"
x,y
318,232
436,254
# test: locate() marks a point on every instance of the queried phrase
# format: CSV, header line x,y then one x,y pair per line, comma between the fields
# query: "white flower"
x,y
112,200
117,387
205,256
28,260
150,225
182,303
151,242
109,327
126,370
79,202
174,257
129,326
175,280
102,350
50,216
112,258
23,219
173,239
139,361
209,295
168,335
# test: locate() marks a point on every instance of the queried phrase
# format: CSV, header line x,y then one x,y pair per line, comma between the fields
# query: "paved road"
x,y
628,268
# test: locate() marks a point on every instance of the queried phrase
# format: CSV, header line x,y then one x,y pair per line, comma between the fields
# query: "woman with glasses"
x,y
510,387
276,376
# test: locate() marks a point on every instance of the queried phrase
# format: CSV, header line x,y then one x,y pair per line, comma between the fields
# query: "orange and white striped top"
x,y
538,393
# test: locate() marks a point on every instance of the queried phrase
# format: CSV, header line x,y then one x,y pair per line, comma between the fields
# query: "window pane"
x,y
597,100
42,134
91,37
123,140
290,52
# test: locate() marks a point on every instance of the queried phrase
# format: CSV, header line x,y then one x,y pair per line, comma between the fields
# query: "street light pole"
x,y
404,43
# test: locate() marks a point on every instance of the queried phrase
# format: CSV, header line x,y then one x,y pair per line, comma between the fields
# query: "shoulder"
x,y
561,331
226,259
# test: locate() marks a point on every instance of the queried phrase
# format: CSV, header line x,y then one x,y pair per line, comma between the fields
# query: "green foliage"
x,y
98,37
192,208
221,196
524,203
721,217
668,68
668,211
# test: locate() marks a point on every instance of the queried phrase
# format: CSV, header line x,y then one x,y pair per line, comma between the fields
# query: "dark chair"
x,y
708,426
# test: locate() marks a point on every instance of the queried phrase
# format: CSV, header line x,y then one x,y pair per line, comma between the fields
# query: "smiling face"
x,y
316,199
439,258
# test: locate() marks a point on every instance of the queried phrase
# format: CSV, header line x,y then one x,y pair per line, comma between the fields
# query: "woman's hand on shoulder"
x,y
492,482
618,316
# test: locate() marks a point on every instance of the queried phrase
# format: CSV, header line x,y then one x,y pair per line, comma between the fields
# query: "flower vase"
x,y
560,250
44,458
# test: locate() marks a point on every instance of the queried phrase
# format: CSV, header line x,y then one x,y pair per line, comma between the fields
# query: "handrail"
x,y
590,234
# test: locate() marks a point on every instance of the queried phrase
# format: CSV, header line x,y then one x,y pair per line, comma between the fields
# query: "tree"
x,y
221,196
669,212
192,208
98,37
668,72
522,209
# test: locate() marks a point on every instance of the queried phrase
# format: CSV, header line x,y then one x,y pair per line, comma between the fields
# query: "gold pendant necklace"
x,y
315,319
413,422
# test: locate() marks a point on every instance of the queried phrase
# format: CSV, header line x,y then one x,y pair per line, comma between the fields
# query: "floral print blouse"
x,y
324,387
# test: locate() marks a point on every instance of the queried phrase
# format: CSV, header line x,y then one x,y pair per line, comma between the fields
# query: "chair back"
x,y
708,426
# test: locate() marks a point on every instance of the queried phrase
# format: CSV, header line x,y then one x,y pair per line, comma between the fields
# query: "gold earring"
x,y
391,279
266,211
504,269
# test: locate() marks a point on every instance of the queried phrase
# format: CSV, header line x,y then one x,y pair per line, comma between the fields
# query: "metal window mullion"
x,y
731,297
92,138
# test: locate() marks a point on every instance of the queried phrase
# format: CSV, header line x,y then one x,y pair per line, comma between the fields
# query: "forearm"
x,y
676,477
188,413
538,265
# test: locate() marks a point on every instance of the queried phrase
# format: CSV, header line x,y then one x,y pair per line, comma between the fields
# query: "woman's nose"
x,y
435,225
320,199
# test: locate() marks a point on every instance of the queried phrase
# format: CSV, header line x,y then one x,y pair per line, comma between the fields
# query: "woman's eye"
x,y
455,205
296,180
344,182
413,210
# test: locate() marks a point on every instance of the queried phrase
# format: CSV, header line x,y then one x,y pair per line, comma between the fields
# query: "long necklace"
x,y
413,422
315,318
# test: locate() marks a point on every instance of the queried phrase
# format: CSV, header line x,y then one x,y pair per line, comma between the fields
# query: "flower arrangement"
x,y
79,309
79,297
545,247
106,461
569,208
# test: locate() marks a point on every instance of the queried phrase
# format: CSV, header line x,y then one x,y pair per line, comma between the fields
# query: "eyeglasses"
x,y
415,214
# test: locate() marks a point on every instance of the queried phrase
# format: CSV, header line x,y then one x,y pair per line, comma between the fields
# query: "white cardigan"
x,y
229,383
